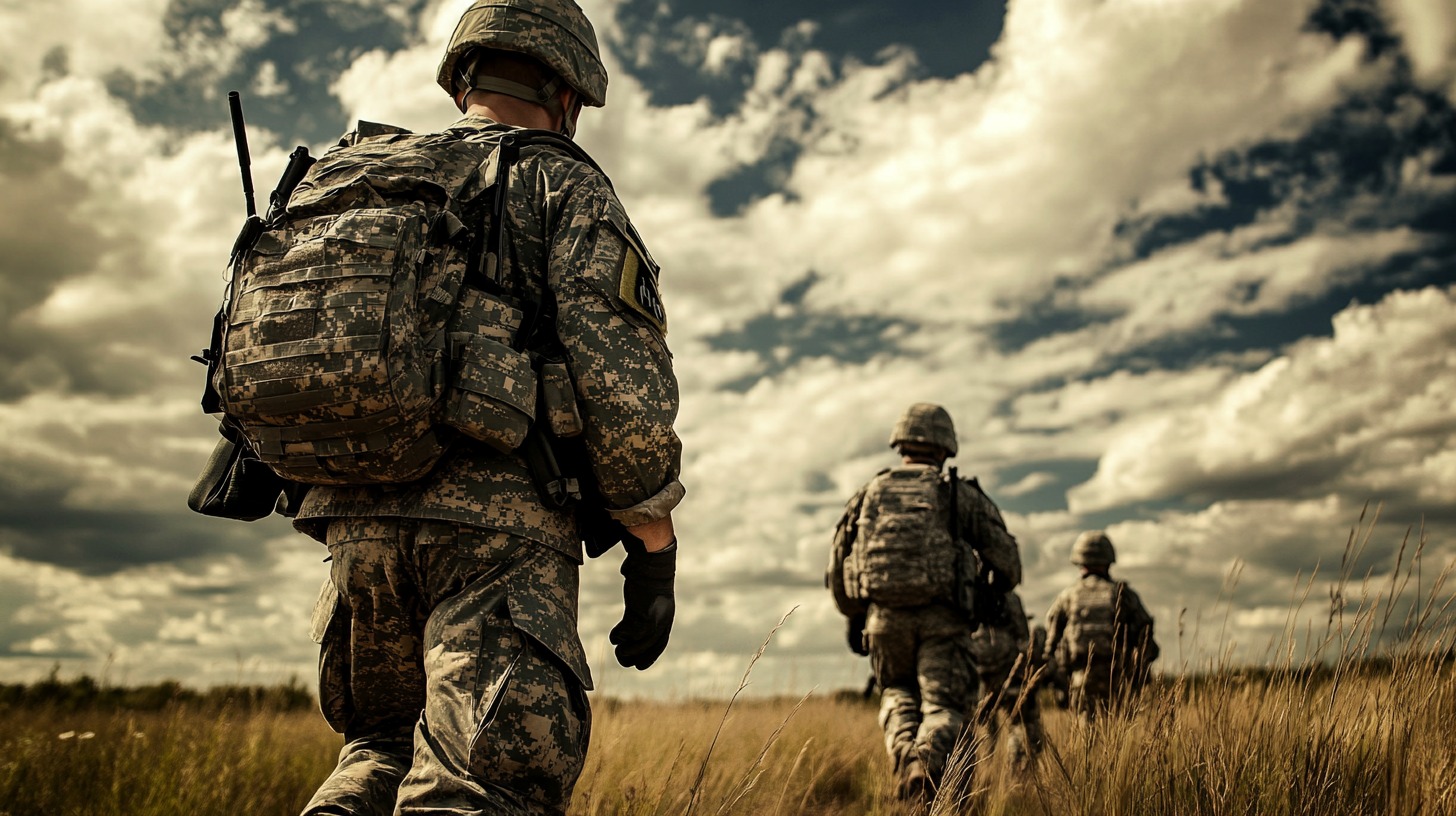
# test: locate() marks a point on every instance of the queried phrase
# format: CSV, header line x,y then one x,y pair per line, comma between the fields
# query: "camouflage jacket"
x,y
570,240
980,525
1127,621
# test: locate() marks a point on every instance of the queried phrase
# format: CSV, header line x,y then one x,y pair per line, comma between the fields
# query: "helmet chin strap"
x,y
568,117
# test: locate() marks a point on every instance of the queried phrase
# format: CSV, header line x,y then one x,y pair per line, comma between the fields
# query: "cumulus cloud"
x,y
1429,34
1327,413
229,620
842,239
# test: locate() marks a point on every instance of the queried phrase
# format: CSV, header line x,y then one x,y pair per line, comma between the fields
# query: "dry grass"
x,y
1345,726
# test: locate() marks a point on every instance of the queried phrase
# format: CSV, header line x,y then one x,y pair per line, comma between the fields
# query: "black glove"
x,y
856,636
647,597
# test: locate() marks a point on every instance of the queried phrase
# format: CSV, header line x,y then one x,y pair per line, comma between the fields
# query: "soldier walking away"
x,y
1006,663
1099,634
456,340
913,550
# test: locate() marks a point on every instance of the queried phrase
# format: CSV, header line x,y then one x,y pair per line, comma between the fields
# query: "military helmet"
x,y
1093,549
927,424
554,32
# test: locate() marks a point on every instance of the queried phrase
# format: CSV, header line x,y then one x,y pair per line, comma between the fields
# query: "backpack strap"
x,y
954,521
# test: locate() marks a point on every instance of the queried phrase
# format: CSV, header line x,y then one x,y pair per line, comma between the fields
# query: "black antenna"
x,y
245,162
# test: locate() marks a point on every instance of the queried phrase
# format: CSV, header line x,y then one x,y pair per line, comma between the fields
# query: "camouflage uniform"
x,y
1099,677
1002,656
919,651
451,663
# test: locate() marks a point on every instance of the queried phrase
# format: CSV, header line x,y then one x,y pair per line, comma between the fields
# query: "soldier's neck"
x,y
922,460
510,111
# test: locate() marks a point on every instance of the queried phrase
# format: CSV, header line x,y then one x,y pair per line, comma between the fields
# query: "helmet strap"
x,y
568,117
467,82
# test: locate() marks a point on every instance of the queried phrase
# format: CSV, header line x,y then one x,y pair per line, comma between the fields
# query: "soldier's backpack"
x,y
332,356
905,553
1092,631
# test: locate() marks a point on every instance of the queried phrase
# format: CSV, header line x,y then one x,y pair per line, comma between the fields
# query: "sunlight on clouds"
x,y
203,627
1428,30
1184,288
950,204
1029,483
1328,403
98,451
98,36
1023,169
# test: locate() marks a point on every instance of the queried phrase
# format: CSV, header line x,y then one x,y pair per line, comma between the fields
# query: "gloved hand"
x,y
647,597
856,636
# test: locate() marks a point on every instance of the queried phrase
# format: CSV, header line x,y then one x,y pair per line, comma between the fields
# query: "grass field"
x,y
1350,727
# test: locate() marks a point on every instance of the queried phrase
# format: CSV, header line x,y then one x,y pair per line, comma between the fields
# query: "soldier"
x,y
1005,661
1099,633
450,658
912,547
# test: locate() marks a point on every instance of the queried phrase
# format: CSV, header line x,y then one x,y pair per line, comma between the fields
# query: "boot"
x,y
915,783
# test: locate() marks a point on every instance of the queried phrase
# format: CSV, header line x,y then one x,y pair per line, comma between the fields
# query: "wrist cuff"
x,y
659,506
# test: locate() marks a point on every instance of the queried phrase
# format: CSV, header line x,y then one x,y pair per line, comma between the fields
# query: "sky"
x,y
1182,271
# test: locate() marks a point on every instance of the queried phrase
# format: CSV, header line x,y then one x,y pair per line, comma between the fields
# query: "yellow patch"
x,y
637,287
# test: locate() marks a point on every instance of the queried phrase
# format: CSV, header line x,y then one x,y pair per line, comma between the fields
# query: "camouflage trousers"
x,y
1003,695
919,656
450,663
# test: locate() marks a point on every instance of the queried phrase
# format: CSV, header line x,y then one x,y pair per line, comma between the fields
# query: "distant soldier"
x,y
1005,662
910,552
1099,632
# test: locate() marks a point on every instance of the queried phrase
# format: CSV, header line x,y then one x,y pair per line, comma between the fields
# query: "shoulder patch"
x,y
637,281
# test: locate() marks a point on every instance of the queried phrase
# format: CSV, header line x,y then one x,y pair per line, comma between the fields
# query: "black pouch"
x,y
235,484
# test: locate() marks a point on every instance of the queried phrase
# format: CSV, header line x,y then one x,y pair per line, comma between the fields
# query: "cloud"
x,y
1428,31
1066,247
87,41
1329,413
219,620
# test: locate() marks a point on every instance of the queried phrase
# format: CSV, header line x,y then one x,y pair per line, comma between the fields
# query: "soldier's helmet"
x,y
1093,549
926,424
554,32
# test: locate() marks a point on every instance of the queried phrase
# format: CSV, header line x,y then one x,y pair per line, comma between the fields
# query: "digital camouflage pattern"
x,y
1102,637
451,663
926,424
979,522
918,656
567,240
904,554
461,586
1002,657
334,355
920,653
555,32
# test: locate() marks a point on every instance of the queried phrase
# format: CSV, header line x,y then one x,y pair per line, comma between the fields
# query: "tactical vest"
x,y
334,359
1092,630
904,553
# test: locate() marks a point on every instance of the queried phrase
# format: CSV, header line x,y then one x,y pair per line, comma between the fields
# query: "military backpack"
x,y
906,552
1092,631
332,354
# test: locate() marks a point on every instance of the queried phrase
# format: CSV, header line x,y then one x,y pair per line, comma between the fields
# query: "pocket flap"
x,y
497,371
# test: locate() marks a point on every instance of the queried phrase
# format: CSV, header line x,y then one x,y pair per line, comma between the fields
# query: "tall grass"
x,y
1353,713
180,761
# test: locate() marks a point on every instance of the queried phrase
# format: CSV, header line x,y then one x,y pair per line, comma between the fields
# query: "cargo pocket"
x,y
492,395
534,721
330,629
